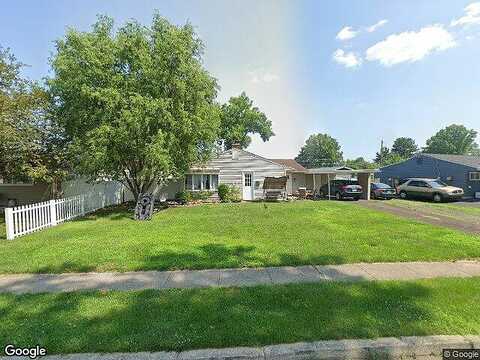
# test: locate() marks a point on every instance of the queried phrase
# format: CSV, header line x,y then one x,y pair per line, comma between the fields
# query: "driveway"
x,y
459,216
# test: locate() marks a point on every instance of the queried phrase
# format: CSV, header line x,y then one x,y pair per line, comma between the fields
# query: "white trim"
x,y
252,184
201,182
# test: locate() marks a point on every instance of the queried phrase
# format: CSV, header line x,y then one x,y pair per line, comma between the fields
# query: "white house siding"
x,y
231,169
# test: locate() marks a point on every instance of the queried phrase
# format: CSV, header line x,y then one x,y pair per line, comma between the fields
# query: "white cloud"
x,y
379,24
346,33
411,46
472,15
262,76
348,59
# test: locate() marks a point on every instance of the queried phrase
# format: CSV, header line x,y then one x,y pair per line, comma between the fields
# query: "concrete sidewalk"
x,y
408,347
35,283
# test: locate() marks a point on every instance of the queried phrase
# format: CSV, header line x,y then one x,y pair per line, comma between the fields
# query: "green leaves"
x,y
320,150
137,103
239,118
454,139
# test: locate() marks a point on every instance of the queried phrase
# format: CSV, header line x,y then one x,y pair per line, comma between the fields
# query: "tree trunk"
x,y
145,205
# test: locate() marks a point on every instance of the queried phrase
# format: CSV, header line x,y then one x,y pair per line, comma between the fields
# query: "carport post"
x,y
328,181
314,185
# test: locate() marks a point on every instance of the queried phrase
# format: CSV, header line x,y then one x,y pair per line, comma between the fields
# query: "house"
x,y
457,170
13,194
248,171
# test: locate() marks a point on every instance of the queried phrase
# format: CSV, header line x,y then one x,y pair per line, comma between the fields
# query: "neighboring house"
x,y
457,170
248,171
12,194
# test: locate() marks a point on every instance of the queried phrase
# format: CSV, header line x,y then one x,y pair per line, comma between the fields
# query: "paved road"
x,y
35,283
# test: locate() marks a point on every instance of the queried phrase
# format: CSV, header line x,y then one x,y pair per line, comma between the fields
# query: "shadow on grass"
x,y
214,318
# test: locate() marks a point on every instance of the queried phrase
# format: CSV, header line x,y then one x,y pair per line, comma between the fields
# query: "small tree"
x,y
137,103
404,147
320,150
454,139
239,118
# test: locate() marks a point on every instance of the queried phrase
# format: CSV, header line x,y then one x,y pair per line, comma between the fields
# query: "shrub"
x,y
183,197
189,196
223,192
229,193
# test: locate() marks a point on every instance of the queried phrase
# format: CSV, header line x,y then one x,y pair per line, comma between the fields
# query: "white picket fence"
x,y
26,219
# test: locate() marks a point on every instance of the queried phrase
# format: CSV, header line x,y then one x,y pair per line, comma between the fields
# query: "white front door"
x,y
248,186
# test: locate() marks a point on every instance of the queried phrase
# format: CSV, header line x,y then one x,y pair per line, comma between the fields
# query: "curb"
x,y
409,347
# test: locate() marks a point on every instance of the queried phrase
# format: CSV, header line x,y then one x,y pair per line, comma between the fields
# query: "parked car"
x,y
342,189
432,189
382,191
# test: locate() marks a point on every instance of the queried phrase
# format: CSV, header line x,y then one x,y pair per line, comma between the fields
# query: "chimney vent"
x,y
235,150
236,146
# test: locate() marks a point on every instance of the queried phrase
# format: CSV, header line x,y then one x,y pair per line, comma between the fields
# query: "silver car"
x,y
432,189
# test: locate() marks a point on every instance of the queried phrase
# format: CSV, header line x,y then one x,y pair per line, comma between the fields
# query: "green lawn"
x,y
233,235
223,317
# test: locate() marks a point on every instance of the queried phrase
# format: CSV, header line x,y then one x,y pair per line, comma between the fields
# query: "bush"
x,y
189,196
229,193
223,192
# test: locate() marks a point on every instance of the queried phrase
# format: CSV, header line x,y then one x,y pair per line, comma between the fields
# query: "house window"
x,y
197,182
248,179
475,176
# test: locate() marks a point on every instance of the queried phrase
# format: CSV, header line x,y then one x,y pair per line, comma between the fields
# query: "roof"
x,y
466,160
291,163
340,170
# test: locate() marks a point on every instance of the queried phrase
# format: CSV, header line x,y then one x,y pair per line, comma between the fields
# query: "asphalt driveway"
x,y
462,216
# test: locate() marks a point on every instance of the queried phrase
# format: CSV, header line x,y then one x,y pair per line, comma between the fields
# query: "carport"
x,y
317,177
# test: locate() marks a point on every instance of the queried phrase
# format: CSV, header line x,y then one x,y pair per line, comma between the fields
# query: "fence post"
x,y
82,204
53,213
9,223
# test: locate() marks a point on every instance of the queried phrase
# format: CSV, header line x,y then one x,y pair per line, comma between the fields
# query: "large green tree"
x,y
359,163
320,150
454,139
24,129
240,119
404,147
136,102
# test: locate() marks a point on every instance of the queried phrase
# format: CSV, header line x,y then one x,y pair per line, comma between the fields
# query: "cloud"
x,y
379,24
262,76
472,16
346,33
411,46
347,59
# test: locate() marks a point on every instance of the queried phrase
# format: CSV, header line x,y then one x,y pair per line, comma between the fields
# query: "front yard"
x,y
223,317
233,235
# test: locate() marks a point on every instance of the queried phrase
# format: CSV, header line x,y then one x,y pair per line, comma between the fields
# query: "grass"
x,y
224,317
233,235
451,209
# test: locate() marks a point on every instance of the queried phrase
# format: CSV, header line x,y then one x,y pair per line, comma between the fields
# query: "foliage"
x,y
233,236
229,193
239,118
359,163
189,196
404,147
320,150
136,102
454,139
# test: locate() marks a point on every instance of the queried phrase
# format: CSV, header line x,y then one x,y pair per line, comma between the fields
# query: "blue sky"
x,y
311,66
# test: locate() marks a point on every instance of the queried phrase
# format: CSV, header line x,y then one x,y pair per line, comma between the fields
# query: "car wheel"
x,y
437,198
338,196
372,195
321,194
403,194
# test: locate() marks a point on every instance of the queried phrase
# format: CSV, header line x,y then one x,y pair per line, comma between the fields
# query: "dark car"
x,y
342,189
382,191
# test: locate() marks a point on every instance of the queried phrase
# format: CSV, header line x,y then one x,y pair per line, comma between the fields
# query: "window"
x,y
475,176
248,179
197,182
416,183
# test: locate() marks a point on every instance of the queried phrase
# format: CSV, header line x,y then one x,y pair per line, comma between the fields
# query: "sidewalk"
x,y
35,283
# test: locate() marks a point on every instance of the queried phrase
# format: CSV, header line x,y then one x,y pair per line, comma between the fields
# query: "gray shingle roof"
x,y
467,160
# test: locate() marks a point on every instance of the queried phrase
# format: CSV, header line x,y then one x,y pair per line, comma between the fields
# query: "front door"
x,y
248,186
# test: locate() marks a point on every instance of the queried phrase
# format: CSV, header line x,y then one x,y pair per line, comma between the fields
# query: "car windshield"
x,y
437,184
381,186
